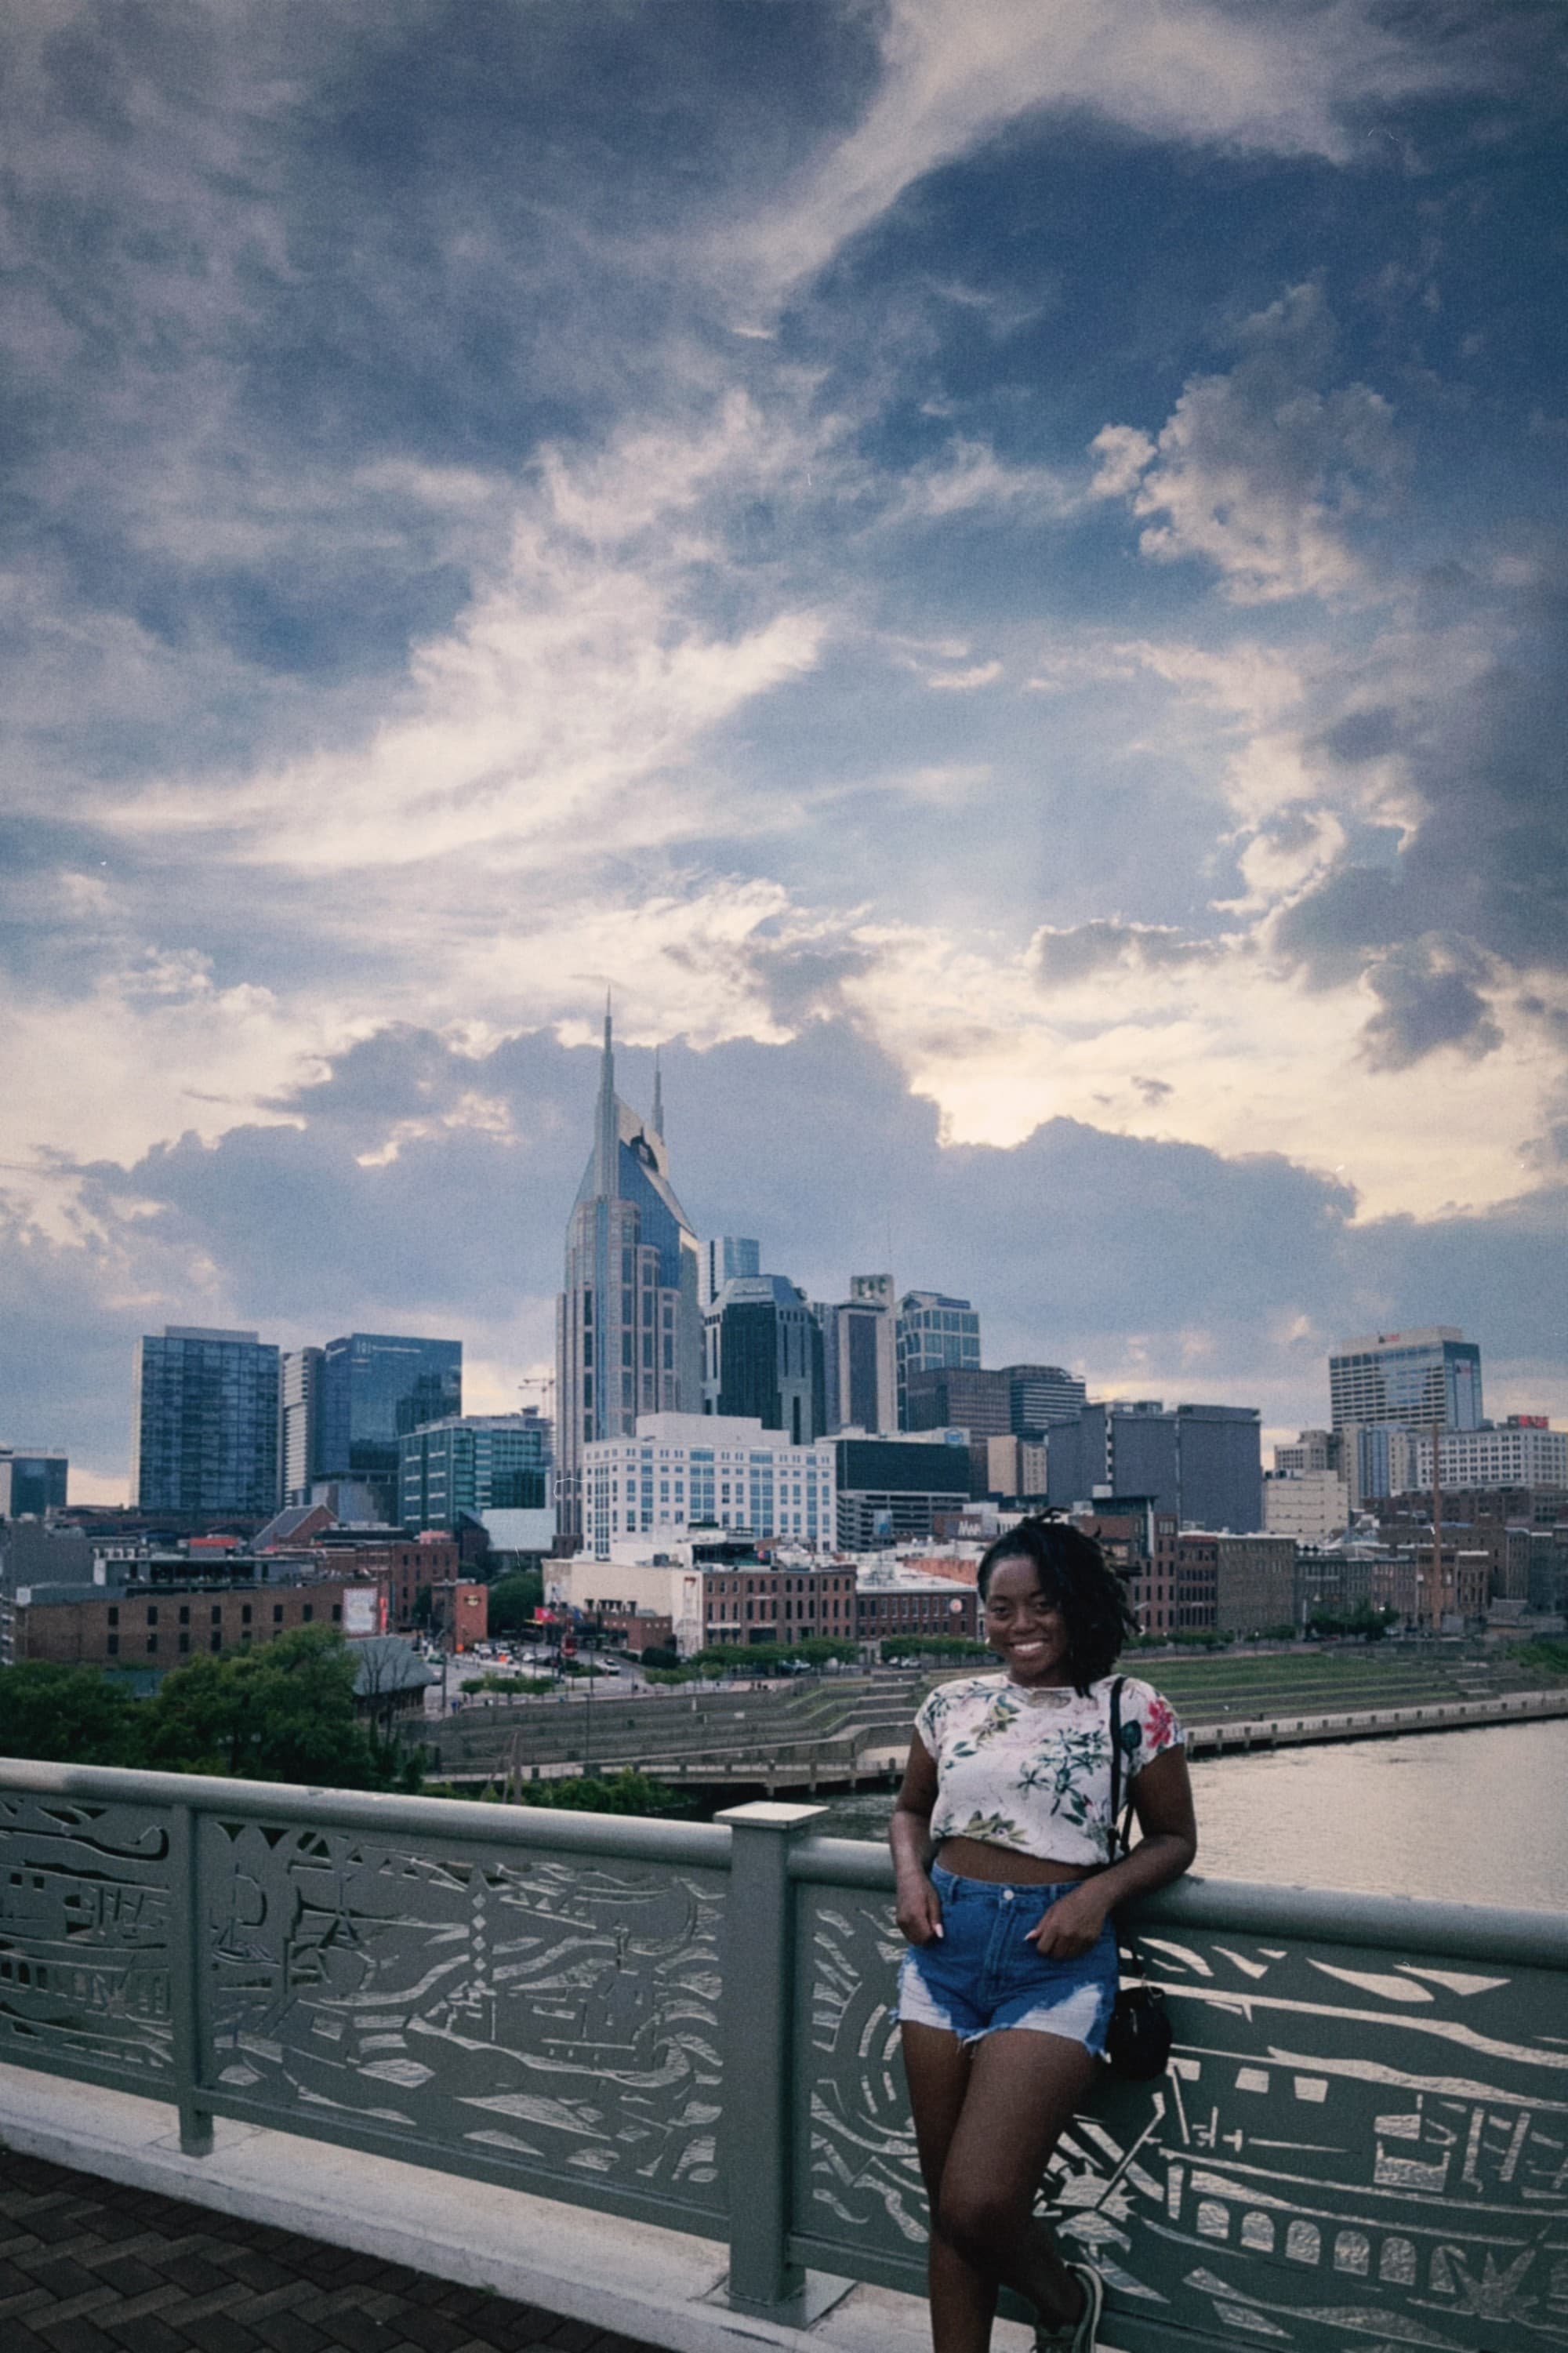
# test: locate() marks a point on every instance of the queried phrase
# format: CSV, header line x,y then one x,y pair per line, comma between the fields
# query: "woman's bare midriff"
x,y
977,1859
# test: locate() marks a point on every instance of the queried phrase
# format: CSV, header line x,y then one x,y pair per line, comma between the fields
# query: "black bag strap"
x,y
1120,1823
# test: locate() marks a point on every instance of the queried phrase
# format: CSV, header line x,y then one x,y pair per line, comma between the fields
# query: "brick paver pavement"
x,y
89,2267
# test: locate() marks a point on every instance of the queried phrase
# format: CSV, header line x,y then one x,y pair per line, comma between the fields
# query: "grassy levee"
x,y
830,1726
1340,1679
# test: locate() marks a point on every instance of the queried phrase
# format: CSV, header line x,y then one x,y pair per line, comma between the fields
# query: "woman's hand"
x,y
1072,1926
919,1913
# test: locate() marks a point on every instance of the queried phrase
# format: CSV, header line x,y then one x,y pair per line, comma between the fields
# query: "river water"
x,y
1477,1817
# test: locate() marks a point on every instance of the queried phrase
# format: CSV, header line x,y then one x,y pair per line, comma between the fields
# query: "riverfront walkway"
x,y
92,2266
113,2241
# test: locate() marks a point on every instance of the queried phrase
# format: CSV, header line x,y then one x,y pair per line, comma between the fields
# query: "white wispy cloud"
x,y
1281,81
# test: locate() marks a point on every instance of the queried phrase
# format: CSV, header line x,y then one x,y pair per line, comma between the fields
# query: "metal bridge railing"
x,y
1362,2143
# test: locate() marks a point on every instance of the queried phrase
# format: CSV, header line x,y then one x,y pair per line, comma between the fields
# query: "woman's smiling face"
x,y
1023,1625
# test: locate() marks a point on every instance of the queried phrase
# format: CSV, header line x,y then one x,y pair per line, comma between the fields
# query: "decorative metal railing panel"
x,y
84,1938
1362,2146
1356,2145
858,2184
555,2013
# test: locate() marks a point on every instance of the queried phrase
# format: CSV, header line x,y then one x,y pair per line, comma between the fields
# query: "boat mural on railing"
x,y
562,2014
84,1937
1350,2148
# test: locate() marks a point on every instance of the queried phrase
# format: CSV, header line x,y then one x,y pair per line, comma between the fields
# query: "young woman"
x,y
1007,1988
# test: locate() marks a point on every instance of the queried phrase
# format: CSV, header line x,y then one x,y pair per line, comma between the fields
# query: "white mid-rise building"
x,y
1310,1505
723,1471
1522,1453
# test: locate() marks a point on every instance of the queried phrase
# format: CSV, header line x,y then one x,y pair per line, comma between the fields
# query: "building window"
x,y
217,1613
184,1614
245,1615
307,1612
152,1641
152,1613
337,1613
277,1613
215,1643
114,1615
113,1645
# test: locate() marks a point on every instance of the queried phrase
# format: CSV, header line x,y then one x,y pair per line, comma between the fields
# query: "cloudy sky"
x,y
997,569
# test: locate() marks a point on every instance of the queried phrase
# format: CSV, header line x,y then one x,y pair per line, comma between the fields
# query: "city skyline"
x,y
629,1162
998,572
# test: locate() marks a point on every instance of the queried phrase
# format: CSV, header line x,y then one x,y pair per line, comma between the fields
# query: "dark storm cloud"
x,y
293,287
1484,875
1076,1246
803,984
1075,954
65,1370
1427,999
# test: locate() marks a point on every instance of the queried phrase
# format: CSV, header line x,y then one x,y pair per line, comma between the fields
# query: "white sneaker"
x,y
1077,2335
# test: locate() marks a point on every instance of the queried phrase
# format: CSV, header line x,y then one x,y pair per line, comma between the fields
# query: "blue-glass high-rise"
x,y
204,1424
629,1334
374,1388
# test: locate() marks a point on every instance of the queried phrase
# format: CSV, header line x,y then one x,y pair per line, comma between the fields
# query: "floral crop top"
x,y
1031,1770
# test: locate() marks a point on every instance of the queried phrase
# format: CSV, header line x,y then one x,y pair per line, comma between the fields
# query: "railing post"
x,y
187,1959
758,2128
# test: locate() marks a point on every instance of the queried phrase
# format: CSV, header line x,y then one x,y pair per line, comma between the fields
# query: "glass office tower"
x,y
204,1423
934,1332
373,1388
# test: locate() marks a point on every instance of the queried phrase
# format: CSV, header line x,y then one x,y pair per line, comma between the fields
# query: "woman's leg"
x,y
1023,2089
963,2298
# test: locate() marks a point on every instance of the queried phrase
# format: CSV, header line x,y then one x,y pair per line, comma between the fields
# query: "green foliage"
x,y
1363,1623
628,1791
767,1658
72,1715
1203,1637
284,1712
660,1654
1547,1652
513,1600
930,1646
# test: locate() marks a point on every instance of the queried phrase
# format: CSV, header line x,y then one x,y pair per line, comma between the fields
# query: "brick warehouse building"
x,y
409,1565
912,1604
163,1626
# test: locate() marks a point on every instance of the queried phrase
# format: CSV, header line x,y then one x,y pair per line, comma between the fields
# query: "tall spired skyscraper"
x,y
628,1329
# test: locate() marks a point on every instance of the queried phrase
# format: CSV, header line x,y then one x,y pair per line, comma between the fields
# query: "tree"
x,y
73,1715
932,1646
627,1792
283,1713
513,1600
1363,1623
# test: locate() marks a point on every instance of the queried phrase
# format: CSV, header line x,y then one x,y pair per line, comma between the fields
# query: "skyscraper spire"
x,y
628,1324
657,1098
606,1127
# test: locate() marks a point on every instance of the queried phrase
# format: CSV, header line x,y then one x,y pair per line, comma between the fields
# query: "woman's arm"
x,y
908,1835
1163,1801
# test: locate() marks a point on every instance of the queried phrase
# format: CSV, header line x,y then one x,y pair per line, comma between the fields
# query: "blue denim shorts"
x,y
982,1975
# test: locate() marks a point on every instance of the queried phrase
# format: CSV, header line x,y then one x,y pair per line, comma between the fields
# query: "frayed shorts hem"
x,y
1081,2016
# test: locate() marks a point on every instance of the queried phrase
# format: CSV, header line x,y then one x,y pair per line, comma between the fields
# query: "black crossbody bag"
x,y
1138,2039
